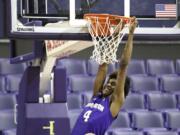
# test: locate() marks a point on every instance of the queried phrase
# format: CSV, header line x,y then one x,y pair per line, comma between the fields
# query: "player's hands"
x,y
133,25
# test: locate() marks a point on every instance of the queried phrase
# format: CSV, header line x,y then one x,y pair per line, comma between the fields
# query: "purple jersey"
x,y
95,118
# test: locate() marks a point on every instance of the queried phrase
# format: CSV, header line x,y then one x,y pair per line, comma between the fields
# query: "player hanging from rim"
x,y
107,99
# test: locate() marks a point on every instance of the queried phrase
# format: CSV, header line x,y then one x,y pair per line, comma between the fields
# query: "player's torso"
x,y
96,117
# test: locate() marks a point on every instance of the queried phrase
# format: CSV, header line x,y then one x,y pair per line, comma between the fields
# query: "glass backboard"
x,y
63,19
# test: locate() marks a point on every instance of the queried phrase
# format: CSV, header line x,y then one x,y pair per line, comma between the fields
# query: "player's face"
x,y
109,87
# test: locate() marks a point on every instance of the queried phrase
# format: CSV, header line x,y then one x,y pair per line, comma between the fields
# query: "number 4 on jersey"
x,y
87,115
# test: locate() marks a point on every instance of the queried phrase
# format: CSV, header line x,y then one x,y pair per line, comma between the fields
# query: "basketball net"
x,y
107,32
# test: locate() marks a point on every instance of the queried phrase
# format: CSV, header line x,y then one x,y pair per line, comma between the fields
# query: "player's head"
x,y
109,87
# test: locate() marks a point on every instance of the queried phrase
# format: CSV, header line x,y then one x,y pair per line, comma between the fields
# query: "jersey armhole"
x,y
109,104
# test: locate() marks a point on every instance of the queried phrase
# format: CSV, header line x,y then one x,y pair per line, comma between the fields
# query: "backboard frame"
x,y
73,31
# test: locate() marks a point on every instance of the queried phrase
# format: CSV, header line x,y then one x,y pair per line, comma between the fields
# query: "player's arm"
x,y
118,94
100,78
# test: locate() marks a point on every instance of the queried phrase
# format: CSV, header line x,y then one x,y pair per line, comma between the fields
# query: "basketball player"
x,y
107,99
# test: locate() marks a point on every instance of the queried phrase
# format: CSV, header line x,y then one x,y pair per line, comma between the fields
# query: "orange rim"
x,y
102,18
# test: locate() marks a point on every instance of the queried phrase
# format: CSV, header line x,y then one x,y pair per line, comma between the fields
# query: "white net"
x,y
106,38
